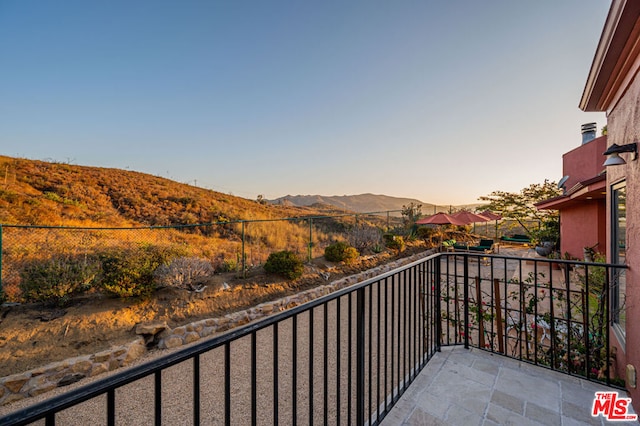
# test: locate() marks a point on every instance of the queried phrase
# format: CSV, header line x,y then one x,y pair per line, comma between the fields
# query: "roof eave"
x,y
603,79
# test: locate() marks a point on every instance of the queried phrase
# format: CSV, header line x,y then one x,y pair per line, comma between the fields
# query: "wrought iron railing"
x,y
549,312
349,356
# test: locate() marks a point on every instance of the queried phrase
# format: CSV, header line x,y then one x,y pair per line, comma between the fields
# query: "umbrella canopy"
x,y
440,219
491,215
467,217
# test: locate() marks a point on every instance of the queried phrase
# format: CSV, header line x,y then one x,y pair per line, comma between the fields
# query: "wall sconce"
x,y
615,149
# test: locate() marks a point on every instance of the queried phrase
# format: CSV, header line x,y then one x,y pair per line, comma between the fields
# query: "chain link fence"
x,y
44,263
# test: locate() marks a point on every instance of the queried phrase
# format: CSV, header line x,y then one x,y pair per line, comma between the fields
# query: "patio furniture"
x,y
485,246
516,238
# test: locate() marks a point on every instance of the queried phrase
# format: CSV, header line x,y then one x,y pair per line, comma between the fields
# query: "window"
x,y
618,256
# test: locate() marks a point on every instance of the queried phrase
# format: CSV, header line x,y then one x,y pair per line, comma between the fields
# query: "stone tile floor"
x,y
472,387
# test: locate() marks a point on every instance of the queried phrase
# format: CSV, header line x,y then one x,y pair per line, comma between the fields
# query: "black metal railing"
x,y
549,312
343,358
349,356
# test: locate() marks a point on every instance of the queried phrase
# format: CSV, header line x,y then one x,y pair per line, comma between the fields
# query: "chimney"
x,y
588,132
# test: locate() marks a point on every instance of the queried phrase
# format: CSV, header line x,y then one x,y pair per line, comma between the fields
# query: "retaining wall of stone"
x,y
40,380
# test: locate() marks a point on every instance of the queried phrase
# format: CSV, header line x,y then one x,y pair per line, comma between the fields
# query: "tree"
x,y
521,206
411,213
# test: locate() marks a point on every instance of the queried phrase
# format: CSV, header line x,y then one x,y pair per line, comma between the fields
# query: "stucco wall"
x,y
624,128
584,162
583,225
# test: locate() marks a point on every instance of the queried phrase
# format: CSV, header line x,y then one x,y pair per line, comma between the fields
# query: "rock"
x,y
99,369
42,389
71,378
207,331
135,351
14,383
170,342
82,367
151,328
101,356
12,397
191,337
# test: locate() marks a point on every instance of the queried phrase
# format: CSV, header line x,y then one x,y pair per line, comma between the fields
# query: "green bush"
x,y
341,252
129,272
394,242
284,263
55,280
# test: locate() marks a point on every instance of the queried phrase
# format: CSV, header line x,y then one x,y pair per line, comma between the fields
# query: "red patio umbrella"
x,y
490,215
439,219
467,217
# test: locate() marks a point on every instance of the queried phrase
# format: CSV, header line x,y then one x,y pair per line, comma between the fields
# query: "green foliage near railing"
x,y
549,322
341,252
284,263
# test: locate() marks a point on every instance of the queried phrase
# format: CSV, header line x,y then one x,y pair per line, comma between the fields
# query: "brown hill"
x,y
42,193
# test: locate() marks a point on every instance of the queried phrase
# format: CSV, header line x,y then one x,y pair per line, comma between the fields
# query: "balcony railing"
x,y
349,356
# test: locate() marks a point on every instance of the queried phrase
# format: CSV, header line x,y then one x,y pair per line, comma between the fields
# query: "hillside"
x,y
40,193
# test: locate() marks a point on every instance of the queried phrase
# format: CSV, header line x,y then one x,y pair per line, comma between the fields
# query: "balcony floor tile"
x,y
470,386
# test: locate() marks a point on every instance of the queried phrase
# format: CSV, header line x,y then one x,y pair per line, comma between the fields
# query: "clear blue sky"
x,y
437,100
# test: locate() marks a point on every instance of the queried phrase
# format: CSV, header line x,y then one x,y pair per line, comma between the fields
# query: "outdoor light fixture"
x,y
615,149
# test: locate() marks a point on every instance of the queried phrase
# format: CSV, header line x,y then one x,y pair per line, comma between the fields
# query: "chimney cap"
x,y
589,127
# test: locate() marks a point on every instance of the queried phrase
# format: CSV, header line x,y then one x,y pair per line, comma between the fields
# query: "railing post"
x,y
466,300
436,298
360,355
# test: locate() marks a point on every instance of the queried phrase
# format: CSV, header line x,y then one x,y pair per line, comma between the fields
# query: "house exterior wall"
x,y
624,127
584,162
583,225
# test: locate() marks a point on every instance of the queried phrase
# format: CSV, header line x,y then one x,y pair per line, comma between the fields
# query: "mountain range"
x,y
362,203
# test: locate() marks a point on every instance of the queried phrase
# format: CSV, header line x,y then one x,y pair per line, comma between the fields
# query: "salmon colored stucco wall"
x,y
583,225
584,162
624,128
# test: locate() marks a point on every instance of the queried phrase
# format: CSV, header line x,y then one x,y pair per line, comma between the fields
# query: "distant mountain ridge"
x,y
361,203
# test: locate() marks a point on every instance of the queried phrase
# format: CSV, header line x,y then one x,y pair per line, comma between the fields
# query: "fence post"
x,y
466,300
244,266
360,355
310,240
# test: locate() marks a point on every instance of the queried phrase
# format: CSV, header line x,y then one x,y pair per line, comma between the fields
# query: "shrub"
x,y
426,234
55,280
183,272
284,263
341,252
129,273
394,242
363,237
